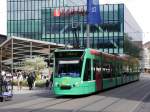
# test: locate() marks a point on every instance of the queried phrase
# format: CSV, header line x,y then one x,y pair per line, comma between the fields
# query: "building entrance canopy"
x,y
15,50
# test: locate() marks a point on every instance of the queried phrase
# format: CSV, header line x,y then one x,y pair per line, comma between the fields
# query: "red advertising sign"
x,y
69,11
56,12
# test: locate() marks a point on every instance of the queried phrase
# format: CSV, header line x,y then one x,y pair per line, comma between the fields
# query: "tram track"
x,y
137,97
114,96
54,95
33,106
55,102
115,100
105,97
126,96
95,101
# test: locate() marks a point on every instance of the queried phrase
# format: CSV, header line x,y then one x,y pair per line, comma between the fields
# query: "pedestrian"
x,y
47,83
20,81
33,75
51,81
5,84
30,81
1,83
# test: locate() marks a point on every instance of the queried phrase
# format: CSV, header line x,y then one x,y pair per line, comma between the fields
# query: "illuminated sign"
x,y
68,54
70,11
56,12
69,62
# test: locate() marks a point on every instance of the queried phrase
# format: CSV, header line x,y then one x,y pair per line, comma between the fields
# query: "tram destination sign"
x,y
68,54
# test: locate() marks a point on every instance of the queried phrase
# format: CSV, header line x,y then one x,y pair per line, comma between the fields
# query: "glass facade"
x,y
63,21
24,18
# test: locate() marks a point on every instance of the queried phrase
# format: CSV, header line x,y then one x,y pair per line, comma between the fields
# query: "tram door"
x,y
97,76
87,74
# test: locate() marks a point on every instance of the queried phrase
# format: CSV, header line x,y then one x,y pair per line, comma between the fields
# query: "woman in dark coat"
x,y
30,81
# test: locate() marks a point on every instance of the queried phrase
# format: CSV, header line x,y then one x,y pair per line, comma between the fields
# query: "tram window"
x,y
87,71
68,68
97,68
118,69
125,68
113,69
107,70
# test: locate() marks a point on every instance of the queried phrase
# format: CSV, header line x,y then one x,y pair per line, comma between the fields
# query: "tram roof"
x,y
97,52
111,56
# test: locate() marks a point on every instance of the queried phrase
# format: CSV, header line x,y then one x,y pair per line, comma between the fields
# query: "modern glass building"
x,y
64,21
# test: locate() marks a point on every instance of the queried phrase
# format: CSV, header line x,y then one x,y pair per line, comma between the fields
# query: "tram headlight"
x,y
77,84
56,84
81,82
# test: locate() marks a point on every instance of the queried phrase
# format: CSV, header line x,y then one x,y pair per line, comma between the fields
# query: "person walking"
x,y
51,81
33,78
1,83
30,81
20,81
47,83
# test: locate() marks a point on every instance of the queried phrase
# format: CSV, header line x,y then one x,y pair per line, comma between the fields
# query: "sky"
x,y
138,8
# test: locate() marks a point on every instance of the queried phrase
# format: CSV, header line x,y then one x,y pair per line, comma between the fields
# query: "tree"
x,y
35,64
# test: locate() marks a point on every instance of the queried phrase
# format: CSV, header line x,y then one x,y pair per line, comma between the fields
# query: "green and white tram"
x,y
78,72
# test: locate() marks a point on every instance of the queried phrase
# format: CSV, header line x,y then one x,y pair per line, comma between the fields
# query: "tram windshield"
x,y
68,68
